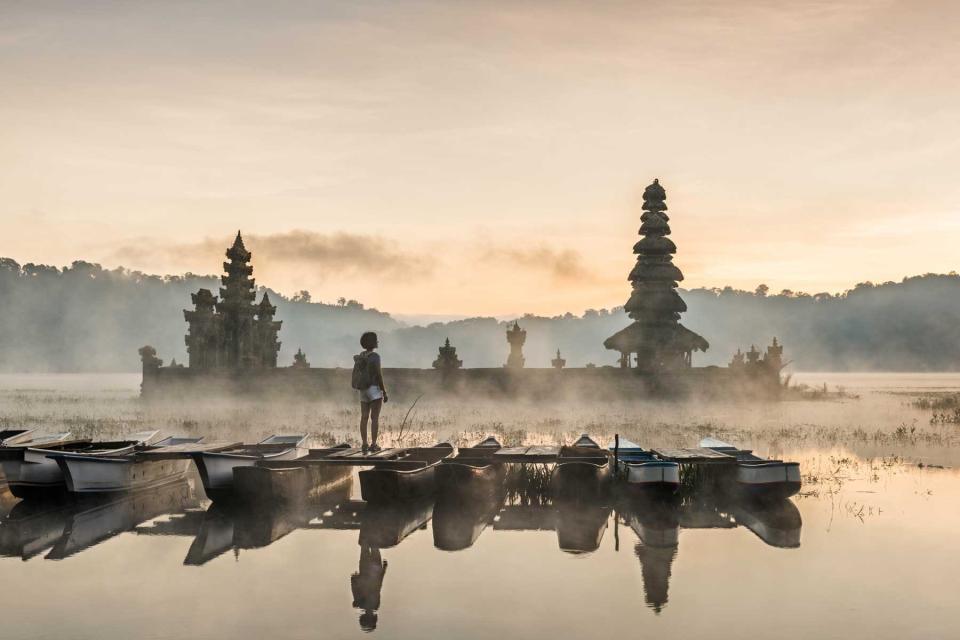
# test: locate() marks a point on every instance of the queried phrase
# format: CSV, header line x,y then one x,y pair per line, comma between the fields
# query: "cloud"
x,y
565,265
328,253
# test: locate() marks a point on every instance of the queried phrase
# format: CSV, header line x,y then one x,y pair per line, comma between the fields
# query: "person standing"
x,y
368,381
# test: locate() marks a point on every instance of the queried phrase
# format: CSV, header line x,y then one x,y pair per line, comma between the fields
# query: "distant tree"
x,y
301,296
341,302
761,291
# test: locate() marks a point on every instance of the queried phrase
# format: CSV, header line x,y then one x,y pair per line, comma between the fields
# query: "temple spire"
x,y
656,336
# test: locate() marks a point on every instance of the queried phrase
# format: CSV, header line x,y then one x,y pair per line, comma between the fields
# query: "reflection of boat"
x,y
582,469
458,522
580,526
290,481
472,472
31,528
386,525
776,523
92,521
643,470
408,477
216,468
758,477
231,525
31,471
95,472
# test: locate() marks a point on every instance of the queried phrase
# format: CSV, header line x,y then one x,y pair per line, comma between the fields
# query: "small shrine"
x,y
656,339
447,359
233,332
558,362
516,337
300,360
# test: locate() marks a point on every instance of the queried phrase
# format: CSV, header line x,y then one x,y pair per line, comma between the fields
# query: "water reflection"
x,y
523,499
67,528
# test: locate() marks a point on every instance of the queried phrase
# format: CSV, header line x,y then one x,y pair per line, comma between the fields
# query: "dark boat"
x,y
291,481
386,525
583,470
472,473
409,476
580,526
458,522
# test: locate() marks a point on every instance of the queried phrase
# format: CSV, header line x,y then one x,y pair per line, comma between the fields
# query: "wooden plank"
x,y
185,450
694,455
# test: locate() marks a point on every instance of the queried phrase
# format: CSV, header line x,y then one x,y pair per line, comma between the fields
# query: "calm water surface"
x,y
867,550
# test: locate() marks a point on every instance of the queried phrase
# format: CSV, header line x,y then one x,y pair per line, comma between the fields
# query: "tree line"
x,y
87,318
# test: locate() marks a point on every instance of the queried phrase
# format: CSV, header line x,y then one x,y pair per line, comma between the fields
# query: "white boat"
x,y
31,472
642,469
216,468
109,472
13,436
758,477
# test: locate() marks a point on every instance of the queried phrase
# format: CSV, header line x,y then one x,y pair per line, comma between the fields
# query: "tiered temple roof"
x,y
656,336
234,331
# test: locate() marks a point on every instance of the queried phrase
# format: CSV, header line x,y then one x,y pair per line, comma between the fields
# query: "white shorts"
x,y
370,394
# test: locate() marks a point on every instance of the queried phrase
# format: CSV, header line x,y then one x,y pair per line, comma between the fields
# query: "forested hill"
x,y
85,318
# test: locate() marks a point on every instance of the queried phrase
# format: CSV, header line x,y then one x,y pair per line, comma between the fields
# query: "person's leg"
x,y
364,415
375,407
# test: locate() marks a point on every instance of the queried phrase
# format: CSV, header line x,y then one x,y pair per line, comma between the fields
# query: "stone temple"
x,y
234,332
233,346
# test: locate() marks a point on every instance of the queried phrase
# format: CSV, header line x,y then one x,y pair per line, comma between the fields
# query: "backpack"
x,y
361,378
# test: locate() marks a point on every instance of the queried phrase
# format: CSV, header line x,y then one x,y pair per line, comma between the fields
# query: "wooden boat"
x,y
758,477
216,468
459,521
32,472
583,469
291,481
473,471
386,525
13,436
580,526
86,472
409,476
643,470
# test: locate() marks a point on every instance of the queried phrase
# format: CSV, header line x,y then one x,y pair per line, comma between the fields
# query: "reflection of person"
x,y
368,381
366,585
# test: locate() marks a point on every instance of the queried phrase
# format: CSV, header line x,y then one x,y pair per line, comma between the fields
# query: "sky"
x,y
483,158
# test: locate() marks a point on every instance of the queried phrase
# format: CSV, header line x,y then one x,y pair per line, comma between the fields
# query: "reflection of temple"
x,y
234,331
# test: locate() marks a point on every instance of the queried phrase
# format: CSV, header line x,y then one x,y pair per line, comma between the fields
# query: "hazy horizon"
x,y
482,158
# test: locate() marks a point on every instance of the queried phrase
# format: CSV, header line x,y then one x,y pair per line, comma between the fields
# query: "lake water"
x,y
868,549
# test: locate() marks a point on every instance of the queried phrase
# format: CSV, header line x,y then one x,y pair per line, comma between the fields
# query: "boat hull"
x,y
582,479
772,480
292,484
380,486
29,479
93,474
469,480
656,477
216,469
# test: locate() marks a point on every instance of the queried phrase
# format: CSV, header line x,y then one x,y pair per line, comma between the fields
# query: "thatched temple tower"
x,y
656,338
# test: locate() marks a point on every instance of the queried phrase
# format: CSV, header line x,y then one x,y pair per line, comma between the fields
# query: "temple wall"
x,y
404,385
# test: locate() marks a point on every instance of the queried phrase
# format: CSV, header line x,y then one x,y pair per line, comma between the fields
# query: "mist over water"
x,y
870,538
